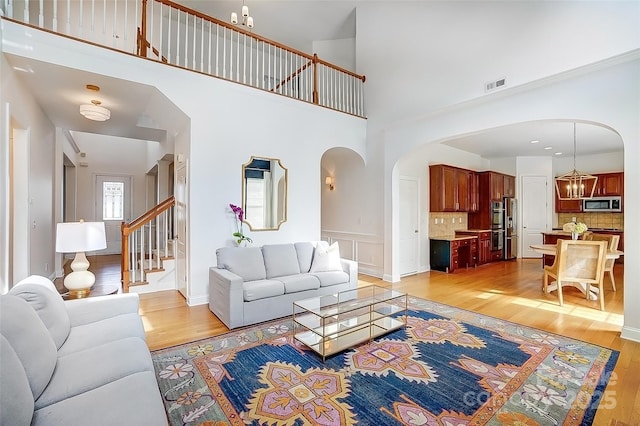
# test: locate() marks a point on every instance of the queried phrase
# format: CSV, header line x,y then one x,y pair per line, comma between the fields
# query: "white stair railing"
x,y
166,31
143,244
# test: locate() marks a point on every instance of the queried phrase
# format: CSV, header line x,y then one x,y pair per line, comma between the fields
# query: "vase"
x,y
574,235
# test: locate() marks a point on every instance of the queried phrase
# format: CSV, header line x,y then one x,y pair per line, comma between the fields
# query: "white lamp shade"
x,y
95,112
74,237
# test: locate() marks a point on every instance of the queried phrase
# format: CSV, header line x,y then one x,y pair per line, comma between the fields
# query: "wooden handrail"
x,y
148,215
200,15
127,228
293,74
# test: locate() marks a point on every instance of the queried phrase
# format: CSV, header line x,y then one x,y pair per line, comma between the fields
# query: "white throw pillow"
x,y
326,259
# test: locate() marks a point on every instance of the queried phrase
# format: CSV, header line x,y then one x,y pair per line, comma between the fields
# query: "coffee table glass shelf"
x,y
330,324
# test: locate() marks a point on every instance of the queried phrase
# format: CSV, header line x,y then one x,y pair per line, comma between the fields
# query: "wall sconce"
x,y
329,182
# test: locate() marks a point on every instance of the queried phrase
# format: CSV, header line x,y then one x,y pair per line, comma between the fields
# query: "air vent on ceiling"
x,y
496,84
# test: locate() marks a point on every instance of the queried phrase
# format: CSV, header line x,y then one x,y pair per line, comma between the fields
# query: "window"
x,y
113,201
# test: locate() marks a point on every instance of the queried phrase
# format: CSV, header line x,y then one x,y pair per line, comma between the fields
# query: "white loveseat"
x,y
256,284
76,362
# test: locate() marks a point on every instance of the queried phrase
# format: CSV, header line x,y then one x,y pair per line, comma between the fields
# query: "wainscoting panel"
x,y
366,249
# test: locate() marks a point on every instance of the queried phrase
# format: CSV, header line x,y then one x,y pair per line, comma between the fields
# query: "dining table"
x,y
550,250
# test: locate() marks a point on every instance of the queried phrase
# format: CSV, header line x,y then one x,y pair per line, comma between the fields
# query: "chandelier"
x,y
246,19
575,185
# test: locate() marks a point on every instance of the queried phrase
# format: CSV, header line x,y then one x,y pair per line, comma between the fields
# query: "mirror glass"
x,y
264,193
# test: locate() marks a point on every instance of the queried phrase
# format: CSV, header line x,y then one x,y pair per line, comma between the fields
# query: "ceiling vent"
x,y
496,84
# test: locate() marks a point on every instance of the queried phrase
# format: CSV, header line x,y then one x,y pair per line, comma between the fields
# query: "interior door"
x,y
113,206
534,213
409,233
181,228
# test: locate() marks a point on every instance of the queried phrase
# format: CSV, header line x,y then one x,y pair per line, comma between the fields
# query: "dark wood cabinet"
x,y
482,245
496,183
449,188
509,185
451,255
474,192
608,185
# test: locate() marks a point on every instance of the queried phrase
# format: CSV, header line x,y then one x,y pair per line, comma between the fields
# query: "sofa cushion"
x,y
254,290
304,250
299,282
326,259
30,339
280,260
246,262
49,306
132,400
76,373
107,330
16,399
331,277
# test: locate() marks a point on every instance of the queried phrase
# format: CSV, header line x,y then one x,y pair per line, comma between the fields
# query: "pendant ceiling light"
x,y
94,111
246,19
575,185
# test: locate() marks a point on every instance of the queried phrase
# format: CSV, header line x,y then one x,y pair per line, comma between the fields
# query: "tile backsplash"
x,y
444,224
594,220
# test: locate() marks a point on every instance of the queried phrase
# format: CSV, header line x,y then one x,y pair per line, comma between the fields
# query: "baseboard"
x,y
200,300
630,333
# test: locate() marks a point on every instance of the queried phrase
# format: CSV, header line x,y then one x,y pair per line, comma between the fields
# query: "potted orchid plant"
x,y
239,234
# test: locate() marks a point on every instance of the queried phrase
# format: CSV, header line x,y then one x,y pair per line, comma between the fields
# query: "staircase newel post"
x,y
124,258
315,78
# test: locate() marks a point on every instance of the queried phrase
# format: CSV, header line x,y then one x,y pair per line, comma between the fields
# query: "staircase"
x,y
148,251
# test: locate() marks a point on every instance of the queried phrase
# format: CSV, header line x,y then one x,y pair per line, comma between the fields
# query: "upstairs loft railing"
x,y
168,32
146,242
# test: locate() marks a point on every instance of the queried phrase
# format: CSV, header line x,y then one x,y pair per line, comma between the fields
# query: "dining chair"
x,y
578,261
612,241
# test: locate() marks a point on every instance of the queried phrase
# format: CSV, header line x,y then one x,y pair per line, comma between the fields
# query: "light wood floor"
x,y
507,290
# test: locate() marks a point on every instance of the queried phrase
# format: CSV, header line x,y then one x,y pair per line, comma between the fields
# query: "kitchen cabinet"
x,y
509,186
449,255
608,185
496,183
448,188
483,250
474,192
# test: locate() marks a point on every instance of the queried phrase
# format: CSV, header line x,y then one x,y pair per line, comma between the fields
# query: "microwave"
x,y
602,204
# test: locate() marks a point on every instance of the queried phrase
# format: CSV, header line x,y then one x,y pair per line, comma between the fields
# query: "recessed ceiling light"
x,y
557,153
536,141
548,147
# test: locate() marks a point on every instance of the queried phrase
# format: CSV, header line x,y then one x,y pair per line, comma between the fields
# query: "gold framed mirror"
x,y
264,193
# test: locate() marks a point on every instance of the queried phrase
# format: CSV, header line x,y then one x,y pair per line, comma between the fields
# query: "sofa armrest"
x,y
351,268
92,309
226,296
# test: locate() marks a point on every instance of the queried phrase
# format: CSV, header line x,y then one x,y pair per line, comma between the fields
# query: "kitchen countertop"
x,y
598,229
453,237
475,231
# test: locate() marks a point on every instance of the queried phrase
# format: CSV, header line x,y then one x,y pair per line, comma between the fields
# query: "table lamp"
x,y
80,237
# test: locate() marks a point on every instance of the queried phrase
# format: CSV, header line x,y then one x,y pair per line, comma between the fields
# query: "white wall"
x,y
20,107
222,136
340,52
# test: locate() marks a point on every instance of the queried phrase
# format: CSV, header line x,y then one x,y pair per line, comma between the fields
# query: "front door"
x,y
113,206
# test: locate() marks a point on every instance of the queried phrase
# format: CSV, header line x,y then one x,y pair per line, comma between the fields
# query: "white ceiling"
x,y
298,23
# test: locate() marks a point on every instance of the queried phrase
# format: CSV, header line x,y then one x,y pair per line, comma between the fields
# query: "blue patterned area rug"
x,y
448,367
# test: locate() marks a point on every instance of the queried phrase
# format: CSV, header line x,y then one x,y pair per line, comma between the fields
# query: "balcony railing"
x,y
168,32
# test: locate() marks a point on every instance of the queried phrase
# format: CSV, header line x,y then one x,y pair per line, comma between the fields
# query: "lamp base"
x,y
78,294
80,281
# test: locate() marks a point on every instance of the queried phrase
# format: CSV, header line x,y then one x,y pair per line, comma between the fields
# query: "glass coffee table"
x,y
330,324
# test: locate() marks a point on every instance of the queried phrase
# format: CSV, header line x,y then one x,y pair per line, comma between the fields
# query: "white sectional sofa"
x,y
256,284
76,362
